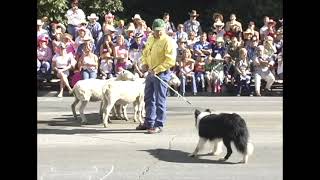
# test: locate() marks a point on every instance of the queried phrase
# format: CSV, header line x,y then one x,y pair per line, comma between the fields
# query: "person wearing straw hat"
x,y
157,59
219,48
62,63
74,16
218,28
94,27
192,24
44,55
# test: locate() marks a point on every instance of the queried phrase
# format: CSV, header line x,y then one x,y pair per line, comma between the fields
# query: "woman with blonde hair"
x,y
186,72
62,63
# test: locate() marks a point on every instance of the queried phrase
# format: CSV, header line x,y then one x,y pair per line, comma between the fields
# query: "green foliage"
x,y
53,9
56,9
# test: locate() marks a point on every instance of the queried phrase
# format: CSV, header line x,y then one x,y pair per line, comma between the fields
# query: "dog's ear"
x,y
208,110
196,112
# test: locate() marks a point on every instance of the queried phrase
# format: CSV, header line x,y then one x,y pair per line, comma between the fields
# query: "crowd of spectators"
x,y
232,53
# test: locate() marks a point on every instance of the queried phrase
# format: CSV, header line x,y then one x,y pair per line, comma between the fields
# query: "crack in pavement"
x,y
157,160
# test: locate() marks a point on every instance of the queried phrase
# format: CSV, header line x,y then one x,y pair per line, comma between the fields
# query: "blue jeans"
x,y
72,30
156,100
183,80
89,74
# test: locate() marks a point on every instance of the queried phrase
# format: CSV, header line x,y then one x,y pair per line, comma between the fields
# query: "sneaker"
x,y
238,94
141,127
155,130
59,95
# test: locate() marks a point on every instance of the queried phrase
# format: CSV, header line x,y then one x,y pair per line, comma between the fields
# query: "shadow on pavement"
x,y
92,118
88,131
178,156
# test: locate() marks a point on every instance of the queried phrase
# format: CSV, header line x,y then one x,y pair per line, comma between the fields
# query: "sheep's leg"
x,y
124,110
136,111
116,108
73,108
100,111
83,117
108,109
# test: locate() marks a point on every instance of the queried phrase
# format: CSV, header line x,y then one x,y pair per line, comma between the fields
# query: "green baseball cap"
x,y
158,24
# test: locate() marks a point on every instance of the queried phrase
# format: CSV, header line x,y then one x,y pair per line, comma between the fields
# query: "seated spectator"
x,y
228,69
129,38
208,67
107,45
181,33
199,70
251,26
135,54
67,39
44,55
217,74
218,28
186,72
212,37
192,39
122,55
76,74
88,63
233,49
269,47
120,28
243,81
202,47
219,48
106,65
62,63
262,70
40,30
108,21
181,47
94,27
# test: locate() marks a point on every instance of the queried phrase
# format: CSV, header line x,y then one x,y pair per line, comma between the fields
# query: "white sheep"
x,y
92,90
124,93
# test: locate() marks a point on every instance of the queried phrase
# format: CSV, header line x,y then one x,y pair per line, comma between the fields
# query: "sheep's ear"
x,y
196,112
208,110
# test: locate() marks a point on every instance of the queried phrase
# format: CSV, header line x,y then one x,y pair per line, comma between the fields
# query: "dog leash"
x,y
179,95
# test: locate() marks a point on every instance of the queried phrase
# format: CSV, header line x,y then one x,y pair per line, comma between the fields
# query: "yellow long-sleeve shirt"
x,y
159,54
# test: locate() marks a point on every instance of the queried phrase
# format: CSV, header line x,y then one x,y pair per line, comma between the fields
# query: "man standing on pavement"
x,y
157,59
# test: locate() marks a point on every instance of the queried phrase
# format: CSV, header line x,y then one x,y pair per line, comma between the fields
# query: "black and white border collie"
x,y
225,128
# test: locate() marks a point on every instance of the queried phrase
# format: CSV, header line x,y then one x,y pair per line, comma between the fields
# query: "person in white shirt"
x,y
74,16
62,63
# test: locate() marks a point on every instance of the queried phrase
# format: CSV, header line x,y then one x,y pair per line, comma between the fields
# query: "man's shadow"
x,y
178,156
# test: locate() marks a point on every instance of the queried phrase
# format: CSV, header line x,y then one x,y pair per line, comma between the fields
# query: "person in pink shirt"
x,y
44,55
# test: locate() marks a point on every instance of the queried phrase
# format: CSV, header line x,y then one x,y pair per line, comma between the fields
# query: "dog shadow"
x,y
177,156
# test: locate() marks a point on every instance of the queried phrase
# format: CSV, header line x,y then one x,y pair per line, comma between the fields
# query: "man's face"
x,y
157,33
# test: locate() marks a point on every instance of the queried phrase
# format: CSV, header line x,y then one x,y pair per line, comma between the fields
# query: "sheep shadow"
x,y
178,156
87,131
92,118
